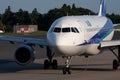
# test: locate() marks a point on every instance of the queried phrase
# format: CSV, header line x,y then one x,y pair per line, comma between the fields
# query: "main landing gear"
x,y
66,69
116,62
50,62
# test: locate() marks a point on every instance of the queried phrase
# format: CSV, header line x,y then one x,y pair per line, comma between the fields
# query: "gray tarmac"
x,y
97,67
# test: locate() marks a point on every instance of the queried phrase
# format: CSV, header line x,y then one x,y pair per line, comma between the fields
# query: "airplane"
x,y
70,36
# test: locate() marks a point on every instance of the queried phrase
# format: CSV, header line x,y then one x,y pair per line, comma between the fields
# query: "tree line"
x,y
8,19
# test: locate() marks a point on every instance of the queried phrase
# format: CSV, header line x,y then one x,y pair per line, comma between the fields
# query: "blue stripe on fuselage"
x,y
102,34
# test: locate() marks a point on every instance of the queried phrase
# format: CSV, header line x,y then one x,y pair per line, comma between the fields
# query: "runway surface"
x,y
92,68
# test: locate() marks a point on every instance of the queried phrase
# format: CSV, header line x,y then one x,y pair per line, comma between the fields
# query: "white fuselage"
x,y
79,35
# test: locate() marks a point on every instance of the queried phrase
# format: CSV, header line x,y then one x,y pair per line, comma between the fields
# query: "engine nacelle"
x,y
24,55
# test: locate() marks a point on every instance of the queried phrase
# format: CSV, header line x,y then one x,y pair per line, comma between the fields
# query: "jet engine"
x,y
24,55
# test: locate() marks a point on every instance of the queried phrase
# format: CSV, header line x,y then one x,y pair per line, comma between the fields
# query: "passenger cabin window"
x,y
88,23
57,30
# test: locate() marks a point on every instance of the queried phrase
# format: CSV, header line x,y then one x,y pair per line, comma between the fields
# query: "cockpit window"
x,y
64,30
57,30
75,30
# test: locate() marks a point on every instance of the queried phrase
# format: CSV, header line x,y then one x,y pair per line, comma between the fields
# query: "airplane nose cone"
x,y
64,45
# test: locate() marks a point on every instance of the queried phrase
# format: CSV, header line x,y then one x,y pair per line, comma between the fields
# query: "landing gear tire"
x,y
115,64
50,62
66,70
55,64
46,64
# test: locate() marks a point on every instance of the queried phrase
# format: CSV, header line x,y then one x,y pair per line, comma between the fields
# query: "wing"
x,y
111,43
24,40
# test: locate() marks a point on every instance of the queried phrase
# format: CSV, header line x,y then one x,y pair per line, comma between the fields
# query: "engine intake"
x,y
24,55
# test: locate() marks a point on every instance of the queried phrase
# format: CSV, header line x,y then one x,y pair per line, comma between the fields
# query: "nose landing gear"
x,y
66,69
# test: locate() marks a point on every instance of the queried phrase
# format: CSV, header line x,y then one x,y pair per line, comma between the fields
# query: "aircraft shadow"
x,y
7,66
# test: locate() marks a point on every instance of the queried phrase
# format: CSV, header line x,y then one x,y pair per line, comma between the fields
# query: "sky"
x,y
43,6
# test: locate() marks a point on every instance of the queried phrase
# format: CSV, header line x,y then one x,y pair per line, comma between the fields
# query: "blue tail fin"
x,y
102,11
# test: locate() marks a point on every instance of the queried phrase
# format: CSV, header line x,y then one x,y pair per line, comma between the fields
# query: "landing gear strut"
x,y
50,62
66,69
116,62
